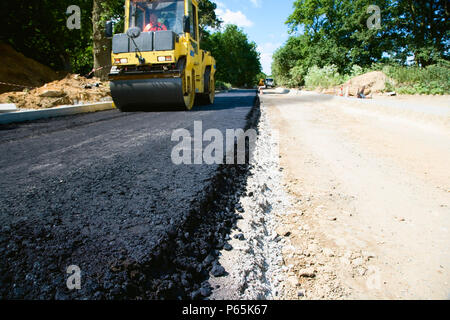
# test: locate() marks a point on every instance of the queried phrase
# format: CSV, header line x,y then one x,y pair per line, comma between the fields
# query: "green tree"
x,y
331,32
236,57
293,53
337,32
37,28
422,29
102,11
207,16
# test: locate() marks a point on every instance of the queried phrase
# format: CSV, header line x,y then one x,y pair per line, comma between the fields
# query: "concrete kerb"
x,y
31,115
7,107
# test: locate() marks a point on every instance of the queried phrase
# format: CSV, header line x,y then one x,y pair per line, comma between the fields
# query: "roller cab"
x,y
158,62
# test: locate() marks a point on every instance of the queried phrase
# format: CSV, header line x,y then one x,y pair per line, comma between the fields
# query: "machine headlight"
x,y
114,70
164,58
121,61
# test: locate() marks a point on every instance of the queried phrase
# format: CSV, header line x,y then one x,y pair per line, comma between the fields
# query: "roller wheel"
x,y
212,90
208,97
189,96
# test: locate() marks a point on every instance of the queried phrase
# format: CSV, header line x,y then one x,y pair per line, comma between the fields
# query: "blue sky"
x,y
262,20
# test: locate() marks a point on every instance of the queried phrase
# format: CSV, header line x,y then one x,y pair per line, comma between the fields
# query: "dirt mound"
x,y
73,89
373,82
20,70
370,83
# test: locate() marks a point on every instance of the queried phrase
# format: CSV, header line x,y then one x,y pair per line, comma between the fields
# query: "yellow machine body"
x,y
164,66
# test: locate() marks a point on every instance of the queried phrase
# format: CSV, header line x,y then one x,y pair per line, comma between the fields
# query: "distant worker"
x,y
154,25
360,94
261,86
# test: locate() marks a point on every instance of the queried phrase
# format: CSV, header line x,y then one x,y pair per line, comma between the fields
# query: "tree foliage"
x,y
207,15
422,28
37,28
331,32
236,57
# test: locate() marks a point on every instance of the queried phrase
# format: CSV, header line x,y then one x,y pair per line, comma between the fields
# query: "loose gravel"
x,y
255,265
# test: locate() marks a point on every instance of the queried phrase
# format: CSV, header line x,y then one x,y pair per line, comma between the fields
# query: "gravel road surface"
x,y
371,181
100,191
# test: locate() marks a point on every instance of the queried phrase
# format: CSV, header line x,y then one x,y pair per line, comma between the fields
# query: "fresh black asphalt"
x,y
100,191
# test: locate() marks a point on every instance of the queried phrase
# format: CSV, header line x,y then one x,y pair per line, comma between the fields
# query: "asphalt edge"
x,y
210,220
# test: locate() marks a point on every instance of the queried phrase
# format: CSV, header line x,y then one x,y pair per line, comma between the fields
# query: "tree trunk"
x,y
101,44
65,59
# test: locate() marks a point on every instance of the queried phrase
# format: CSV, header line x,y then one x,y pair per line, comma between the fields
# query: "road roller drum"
x,y
157,62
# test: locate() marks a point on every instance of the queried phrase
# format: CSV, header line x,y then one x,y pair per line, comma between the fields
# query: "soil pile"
x,y
22,71
368,83
73,89
373,82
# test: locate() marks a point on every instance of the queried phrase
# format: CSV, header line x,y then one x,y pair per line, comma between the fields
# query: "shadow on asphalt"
x,y
285,91
223,101
227,101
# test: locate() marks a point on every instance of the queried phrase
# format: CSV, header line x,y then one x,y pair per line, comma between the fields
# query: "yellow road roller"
x,y
158,62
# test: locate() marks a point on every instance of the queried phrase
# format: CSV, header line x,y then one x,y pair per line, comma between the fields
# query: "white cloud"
x,y
220,4
233,17
256,3
269,46
267,49
266,62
